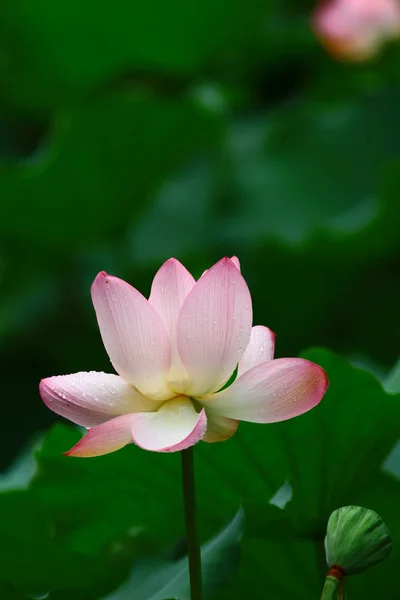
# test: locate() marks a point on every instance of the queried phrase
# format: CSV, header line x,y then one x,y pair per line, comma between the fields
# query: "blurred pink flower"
x,y
173,353
355,30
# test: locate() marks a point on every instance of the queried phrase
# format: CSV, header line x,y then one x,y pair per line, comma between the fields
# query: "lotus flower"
x,y
356,30
174,354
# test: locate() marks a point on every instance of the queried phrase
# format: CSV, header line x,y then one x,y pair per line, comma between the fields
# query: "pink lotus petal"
x,y
236,262
103,439
134,335
219,429
175,426
171,284
273,391
89,399
260,349
214,328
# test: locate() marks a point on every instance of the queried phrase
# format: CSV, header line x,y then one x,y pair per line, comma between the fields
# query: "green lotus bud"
x,y
356,539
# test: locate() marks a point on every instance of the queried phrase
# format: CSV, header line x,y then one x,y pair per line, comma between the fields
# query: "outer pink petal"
x,y
214,328
134,335
89,399
219,429
105,438
260,348
273,391
175,426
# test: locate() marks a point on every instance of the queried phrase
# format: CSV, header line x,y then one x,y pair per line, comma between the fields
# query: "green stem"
x,y
189,501
331,588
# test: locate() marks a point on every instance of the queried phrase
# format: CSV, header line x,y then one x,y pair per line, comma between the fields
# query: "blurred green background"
x,y
133,131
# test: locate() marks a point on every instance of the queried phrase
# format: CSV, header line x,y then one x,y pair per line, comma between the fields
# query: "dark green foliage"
x,y
106,512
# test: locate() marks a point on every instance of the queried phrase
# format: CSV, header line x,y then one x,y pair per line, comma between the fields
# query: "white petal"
x,y
89,399
260,349
273,391
214,328
175,426
134,335
219,429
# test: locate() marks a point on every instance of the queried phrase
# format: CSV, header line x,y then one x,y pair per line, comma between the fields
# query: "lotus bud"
x,y
356,539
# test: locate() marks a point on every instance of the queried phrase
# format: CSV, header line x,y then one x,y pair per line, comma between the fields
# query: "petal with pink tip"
x,y
260,348
171,284
89,399
105,438
214,328
175,426
236,262
134,335
273,391
219,429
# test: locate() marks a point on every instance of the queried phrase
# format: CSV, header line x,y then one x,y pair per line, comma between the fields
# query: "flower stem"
x,y
331,589
189,501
